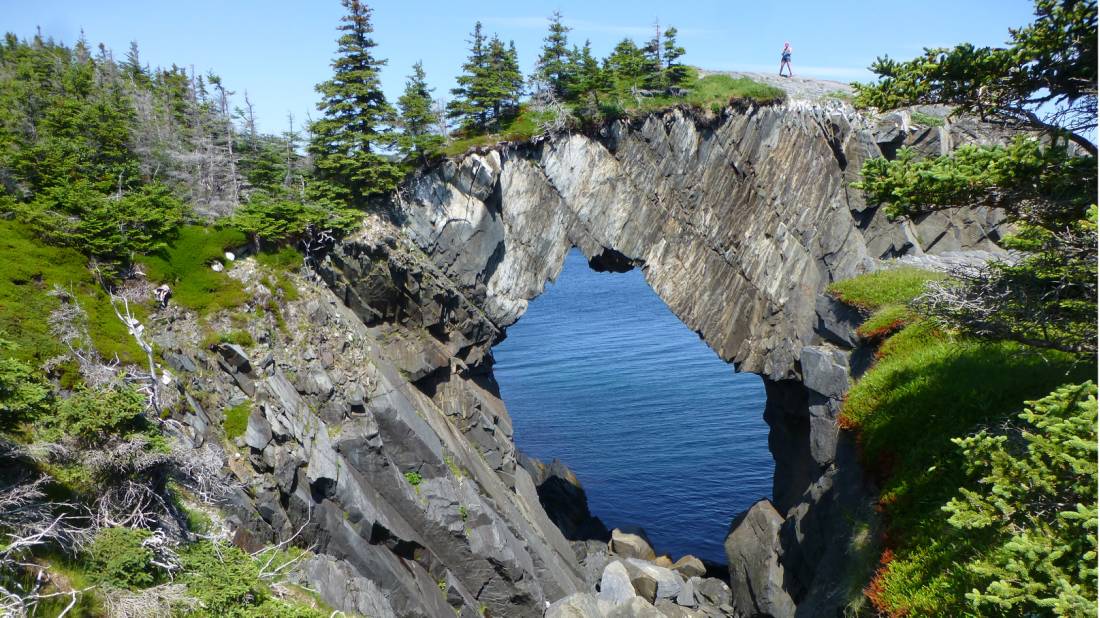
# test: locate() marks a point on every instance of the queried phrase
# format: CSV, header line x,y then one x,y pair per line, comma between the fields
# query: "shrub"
x,y
1036,497
227,582
414,479
93,415
23,393
275,219
225,579
121,561
80,216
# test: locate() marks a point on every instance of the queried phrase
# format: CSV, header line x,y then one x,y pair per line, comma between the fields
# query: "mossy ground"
x,y
185,266
926,387
28,272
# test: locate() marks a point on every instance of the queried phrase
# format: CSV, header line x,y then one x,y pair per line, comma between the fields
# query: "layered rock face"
x,y
378,437
739,222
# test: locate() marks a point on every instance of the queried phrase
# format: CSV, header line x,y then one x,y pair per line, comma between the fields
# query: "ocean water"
x,y
661,432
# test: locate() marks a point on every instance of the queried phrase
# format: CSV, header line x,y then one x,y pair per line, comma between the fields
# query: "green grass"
x,y
235,420
283,259
28,271
239,337
926,387
185,266
840,95
519,129
894,286
927,120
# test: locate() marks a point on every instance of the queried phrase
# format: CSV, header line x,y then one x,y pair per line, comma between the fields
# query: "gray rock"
x,y
686,597
235,357
825,370
628,545
615,585
645,585
258,432
756,573
713,591
636,607
577,605
668,582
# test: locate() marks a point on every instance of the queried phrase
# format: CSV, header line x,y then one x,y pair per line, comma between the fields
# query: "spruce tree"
x,y
588,81
417,119
627,65
471,104
505,80
675,73
555,67
356,116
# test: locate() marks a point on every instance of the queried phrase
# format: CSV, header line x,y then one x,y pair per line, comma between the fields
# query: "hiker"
x,y
786,61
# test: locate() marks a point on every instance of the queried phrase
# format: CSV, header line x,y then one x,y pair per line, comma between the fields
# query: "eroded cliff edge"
x,y
379,437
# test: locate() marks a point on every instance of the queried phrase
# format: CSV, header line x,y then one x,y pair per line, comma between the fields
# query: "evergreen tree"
x,y
505,80
589,80
356,116
417,137
627,65
133,68
674,72
471,104
555,66
490,86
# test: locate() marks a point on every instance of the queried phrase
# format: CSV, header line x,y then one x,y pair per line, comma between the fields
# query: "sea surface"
x,y
661,432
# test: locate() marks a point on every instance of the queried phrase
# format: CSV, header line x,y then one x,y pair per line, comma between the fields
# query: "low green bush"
x,y
236,419
120,560
93,415
24,394
227,583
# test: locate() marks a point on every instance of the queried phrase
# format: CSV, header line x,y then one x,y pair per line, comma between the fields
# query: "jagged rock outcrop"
x,y
739,221
377,435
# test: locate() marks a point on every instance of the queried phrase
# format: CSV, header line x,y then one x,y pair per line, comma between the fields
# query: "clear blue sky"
x,y
278,49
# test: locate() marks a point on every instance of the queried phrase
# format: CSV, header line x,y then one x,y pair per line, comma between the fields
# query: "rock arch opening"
x,y
661,433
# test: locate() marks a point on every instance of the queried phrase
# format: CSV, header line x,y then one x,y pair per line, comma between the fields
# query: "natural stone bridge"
x,y
739,222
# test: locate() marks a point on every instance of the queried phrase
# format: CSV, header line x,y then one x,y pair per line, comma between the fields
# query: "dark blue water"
x,y
600,374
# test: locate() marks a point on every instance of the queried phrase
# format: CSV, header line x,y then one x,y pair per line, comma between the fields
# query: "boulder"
x,y
577,605
689,566
631,545
645,585
668,582
663,561
615,586
634,608
716,592
687,593
235,357
756,574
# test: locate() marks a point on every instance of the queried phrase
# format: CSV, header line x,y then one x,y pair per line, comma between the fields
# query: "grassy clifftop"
x,y
928,389
712,92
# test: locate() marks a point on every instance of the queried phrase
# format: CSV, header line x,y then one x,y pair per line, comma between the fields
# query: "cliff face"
x,y
379,437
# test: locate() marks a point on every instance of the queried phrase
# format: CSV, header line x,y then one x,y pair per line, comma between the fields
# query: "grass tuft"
x,y
236,419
